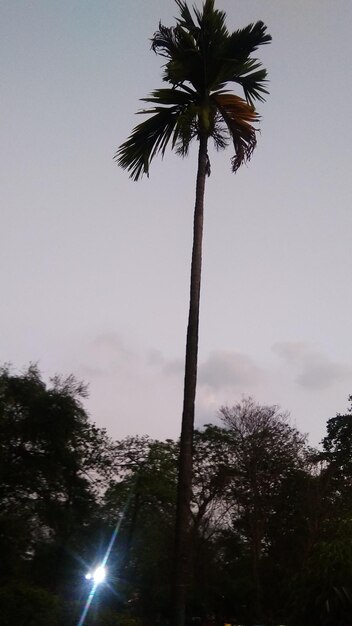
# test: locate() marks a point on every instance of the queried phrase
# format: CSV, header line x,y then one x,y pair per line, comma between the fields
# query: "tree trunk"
x,y
184,489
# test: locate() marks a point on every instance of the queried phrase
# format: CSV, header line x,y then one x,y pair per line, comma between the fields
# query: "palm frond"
x,y
245,73
164,41
186,130
220,134
146,140
179,46
174,118
244,41
186,20
239,117
253,85
212,23
186,126
171,97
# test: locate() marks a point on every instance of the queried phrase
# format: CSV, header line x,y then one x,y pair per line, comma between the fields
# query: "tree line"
x,y
270,529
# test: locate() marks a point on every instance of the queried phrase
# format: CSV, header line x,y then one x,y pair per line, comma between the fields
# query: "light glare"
x,y
99,574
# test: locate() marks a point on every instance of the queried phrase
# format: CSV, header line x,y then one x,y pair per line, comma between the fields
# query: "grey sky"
x,y
94,268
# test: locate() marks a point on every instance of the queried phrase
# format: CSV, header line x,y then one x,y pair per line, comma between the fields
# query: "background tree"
x,y
270,518
337,456
142,492
266,453
52,465
202,56
322,591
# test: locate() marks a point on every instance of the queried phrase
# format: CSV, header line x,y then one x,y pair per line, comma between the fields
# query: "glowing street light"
x,y
98,575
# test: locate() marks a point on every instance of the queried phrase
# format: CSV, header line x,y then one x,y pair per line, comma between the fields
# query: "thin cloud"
x,y
314,369
130,392
224,370
176,367
155,358
106,354
111,343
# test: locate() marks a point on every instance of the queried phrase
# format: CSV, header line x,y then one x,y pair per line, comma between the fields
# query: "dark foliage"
x,y
270,517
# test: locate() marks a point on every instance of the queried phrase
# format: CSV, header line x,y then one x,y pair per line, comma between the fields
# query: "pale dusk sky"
x,y
94,268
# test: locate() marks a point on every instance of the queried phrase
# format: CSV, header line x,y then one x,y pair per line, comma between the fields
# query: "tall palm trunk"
x,y
184,490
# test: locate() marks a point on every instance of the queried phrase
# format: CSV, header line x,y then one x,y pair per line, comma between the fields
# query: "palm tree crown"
x,y
202,57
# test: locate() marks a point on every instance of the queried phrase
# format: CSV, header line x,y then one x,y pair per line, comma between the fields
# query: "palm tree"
x,y
202,56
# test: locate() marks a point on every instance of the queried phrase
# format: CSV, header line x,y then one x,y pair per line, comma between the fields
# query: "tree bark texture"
x,y
184,490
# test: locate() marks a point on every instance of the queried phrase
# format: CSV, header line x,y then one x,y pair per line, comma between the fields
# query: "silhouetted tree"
x,y
202,57
266,452
52,464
